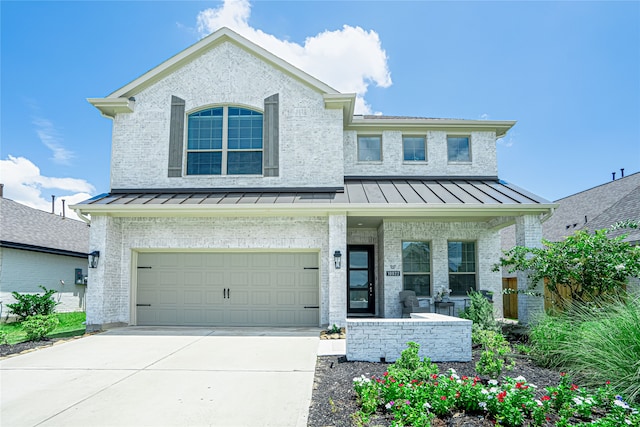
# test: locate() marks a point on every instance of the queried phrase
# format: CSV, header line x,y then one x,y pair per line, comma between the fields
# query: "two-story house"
x,y
246,192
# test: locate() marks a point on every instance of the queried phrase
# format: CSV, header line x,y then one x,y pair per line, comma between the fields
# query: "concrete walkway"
x,y
142,376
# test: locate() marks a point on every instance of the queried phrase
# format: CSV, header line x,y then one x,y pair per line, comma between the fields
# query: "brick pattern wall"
x,y
23,271
110,287
438,234
441,338
483,156
529,234
310,135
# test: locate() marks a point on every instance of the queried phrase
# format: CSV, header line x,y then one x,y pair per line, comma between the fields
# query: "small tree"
x,y
588,264
28,305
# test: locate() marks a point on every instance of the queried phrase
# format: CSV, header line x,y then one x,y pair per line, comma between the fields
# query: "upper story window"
x,y
414,148
369,148
458,149
224,141
462,267
416,267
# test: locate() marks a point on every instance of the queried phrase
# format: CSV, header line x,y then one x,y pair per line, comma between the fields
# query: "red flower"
x,y
434,376
608,382
562,374
435,383
574,387
464,377
501,396
457,394
443,397
545,398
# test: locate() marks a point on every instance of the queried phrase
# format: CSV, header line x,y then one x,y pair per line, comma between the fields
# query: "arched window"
x,y
224,141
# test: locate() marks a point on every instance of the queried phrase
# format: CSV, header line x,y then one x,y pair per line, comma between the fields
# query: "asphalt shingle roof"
x,y
23,225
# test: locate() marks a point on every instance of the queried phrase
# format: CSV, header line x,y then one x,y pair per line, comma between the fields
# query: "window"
x,y
369,148
458,149
414,148
462,267
416,267
212,151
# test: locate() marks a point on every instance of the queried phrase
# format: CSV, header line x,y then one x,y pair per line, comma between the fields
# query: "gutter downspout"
x,y
545,217
82,217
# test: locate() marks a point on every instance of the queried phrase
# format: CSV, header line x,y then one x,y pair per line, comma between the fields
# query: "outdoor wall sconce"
x,y
93,259
337,259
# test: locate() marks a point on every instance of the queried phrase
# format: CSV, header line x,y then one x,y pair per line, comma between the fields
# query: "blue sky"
x,y
568,72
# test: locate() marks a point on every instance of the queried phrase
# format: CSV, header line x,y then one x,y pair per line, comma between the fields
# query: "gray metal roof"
x,y
363,190
28,228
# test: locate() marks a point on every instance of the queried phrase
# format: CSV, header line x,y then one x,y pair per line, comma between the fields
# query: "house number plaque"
x,y
393,273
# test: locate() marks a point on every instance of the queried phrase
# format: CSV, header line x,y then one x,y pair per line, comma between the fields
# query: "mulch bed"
x,y
334,399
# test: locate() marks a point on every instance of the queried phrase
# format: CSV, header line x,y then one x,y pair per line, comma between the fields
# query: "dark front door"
x,y
360,277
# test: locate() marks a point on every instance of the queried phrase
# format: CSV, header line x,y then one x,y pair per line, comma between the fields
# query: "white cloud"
x,y
24,184
51,138
484,116
349,59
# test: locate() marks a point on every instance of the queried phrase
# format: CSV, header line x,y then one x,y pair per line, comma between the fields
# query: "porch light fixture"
x,y
337,259
93,259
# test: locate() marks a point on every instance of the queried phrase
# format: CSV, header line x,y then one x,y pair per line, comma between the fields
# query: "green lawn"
x,y
71,324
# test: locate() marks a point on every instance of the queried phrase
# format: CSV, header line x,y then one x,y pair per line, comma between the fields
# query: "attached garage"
x,y
228,289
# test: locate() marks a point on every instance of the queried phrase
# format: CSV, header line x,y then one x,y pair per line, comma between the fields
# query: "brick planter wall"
x,y
441,338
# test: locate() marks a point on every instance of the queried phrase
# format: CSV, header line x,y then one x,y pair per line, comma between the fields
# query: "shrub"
x,y
4,338
37,327
409,366
594,342
495,356
480,312
27,305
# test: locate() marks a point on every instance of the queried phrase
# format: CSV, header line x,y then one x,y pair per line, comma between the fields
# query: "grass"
x,y
71,324
596,343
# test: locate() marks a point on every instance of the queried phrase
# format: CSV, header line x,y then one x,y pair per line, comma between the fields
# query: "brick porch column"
x,y
338,277
529,234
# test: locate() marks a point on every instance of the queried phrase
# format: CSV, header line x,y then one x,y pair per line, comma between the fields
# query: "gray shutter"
x,y
176,135
270,143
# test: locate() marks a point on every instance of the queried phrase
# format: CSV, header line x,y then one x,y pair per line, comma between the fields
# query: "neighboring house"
x,y
593,209
38,248
246,192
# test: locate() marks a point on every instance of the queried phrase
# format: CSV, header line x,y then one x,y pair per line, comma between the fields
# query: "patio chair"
x,y
410,304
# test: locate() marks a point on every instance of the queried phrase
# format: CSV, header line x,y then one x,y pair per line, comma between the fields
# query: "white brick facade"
x,y
441,338
317,148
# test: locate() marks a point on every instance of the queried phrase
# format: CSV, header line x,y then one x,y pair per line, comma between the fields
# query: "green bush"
x,y
27,305
37,327
409,366
495,355
480,312
594,342
4,338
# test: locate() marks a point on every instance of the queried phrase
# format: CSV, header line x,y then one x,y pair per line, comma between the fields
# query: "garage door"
x,y
228,289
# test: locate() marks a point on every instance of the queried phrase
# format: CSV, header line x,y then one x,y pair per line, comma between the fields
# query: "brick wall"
x,y
483,156
441,338
309,134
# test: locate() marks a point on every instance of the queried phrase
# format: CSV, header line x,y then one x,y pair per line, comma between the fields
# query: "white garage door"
x,y
228,289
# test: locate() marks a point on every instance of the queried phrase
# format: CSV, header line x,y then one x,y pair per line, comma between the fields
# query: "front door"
x,y
360,280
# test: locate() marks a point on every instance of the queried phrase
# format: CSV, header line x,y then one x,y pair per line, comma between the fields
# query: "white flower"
x,y
621,404
520,379
493,382
538,402
578,400
619,267
493,389
484,391
426,405
483,405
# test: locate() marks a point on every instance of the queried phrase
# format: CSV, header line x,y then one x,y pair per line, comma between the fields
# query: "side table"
x,y
449,305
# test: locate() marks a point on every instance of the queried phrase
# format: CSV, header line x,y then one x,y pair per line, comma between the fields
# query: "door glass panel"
x,y
358,279
358,259
359,299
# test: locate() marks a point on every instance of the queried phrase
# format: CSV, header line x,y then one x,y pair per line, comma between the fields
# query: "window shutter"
x,y
176,135
270,143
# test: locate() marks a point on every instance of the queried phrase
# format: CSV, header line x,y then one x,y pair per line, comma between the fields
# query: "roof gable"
x,y
210,42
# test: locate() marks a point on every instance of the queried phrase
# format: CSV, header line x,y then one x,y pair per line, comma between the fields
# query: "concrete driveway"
x,y
142,376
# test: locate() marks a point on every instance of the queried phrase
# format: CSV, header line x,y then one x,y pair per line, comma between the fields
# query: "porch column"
x,y
529,234
107,304
338,277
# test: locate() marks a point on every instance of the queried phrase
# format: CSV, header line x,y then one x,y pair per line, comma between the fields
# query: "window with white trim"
x,y
416,267
369,148
414,148
458,149
224,141
462,267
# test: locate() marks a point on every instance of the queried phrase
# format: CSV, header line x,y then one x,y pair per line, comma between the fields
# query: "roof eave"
x,y
360,209
109,107
501,127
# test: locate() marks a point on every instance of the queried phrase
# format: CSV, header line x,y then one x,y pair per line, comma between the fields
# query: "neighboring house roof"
x,y
597,208
22,227
439,195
